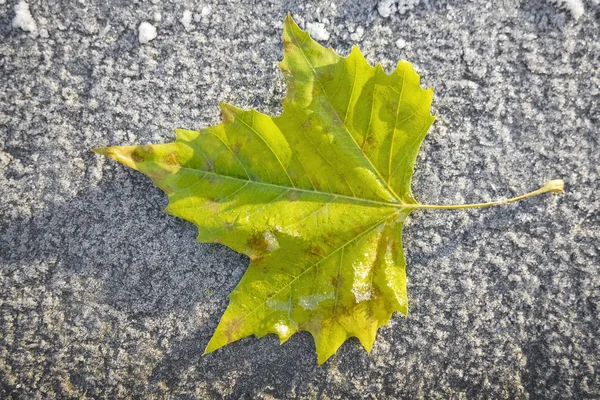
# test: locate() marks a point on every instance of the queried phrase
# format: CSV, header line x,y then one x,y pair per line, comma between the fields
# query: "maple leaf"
x,y
316,197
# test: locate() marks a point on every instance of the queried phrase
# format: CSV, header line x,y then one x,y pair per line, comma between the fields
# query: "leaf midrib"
x,y
400,204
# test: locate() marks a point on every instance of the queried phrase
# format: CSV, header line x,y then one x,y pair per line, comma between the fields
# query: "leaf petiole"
x,y
555,186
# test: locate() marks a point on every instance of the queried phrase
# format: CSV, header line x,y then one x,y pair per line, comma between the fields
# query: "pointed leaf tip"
x,y
288,19
103,151
290,26
116,153
129,156
210,347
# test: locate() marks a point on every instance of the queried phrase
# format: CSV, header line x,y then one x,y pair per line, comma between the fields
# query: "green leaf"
x,y
316,197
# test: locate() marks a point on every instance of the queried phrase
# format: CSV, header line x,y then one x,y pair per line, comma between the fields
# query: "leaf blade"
x,y
316,197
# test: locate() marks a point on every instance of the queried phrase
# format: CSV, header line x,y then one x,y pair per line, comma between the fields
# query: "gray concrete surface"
x,y
104,296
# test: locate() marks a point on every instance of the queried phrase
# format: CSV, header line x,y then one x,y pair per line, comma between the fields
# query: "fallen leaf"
x,y
316,197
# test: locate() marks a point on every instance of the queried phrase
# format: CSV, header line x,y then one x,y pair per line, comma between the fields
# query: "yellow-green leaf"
x,y
316,197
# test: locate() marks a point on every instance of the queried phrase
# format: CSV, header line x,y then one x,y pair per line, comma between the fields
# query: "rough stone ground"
x,y
102,295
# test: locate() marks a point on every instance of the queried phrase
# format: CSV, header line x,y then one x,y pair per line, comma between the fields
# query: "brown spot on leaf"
x,y
213,206
370,143
359,229
392,107
337,281
293,195
137,155
232,329
228,113
229,225
375,292
314,250
171,159
284,69
256,260
236,147
258,244
288,46
329,239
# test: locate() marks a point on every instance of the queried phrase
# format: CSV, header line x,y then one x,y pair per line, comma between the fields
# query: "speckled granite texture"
x,y
104,296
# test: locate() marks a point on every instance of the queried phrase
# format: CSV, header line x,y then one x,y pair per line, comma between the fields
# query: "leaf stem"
x,y
555,186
